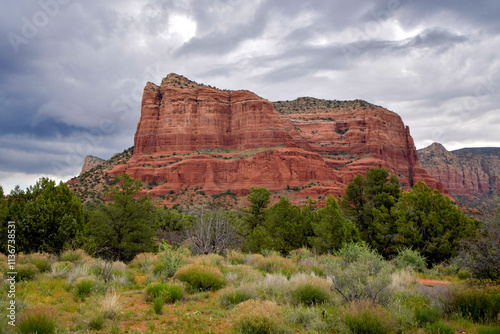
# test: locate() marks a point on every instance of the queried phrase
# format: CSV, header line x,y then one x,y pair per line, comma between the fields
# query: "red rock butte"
x,y
190,134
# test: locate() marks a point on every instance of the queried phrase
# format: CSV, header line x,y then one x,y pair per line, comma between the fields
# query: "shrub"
x,y
426,316
439,328
74,256
36,323
309,294
256,316
488,330
170,293
408,257
299,254
232,298
77,272
275,264
42,261
97,322
480,304
26,272
83,288
201,277
144,261
236,257
61,269
463,274
169,261
362,274
158,304
307,317
103,269
275,287
366,318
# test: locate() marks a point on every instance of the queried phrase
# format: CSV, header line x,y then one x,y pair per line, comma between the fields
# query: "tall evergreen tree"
x,y
126,226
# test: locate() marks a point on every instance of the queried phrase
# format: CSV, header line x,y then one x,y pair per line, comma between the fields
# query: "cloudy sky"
x,y
72,71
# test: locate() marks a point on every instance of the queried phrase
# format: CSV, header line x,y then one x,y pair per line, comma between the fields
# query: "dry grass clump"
x,y
61,269
275,287
241,274
37,320
206,259
235,257
110,305
300,254
144,261
310,290
257,316
81,270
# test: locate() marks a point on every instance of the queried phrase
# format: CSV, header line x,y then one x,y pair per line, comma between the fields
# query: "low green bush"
x,y
83,288
365,322
26,272
169,261
201,277
425,316
408,257
97,322
309,294
170,293
158,304
479,304
488,330
256,316
463,274
36,323
232,298
439,328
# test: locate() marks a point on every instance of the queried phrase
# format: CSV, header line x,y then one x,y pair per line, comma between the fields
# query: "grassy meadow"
x,y
173,291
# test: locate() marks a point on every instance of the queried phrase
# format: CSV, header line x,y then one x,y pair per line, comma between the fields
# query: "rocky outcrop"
x,y
90,162
468,172
195,135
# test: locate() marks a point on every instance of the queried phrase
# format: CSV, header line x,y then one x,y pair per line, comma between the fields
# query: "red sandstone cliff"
x,y
195,135
470,174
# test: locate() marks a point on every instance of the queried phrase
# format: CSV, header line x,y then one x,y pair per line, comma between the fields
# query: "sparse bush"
x,y
169,292
439,328
408,257
169,261
309,318
256,316
201,277
26,272
300,254
236,257
231,298
275,287
36,322
425,316
144,261
83,288
102,269
361,275
463,274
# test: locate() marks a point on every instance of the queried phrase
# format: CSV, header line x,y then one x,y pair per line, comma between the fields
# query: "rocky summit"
x,y
194,135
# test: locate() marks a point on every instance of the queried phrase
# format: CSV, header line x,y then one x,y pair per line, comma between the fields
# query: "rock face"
x,y
195,135
468,172
90,162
